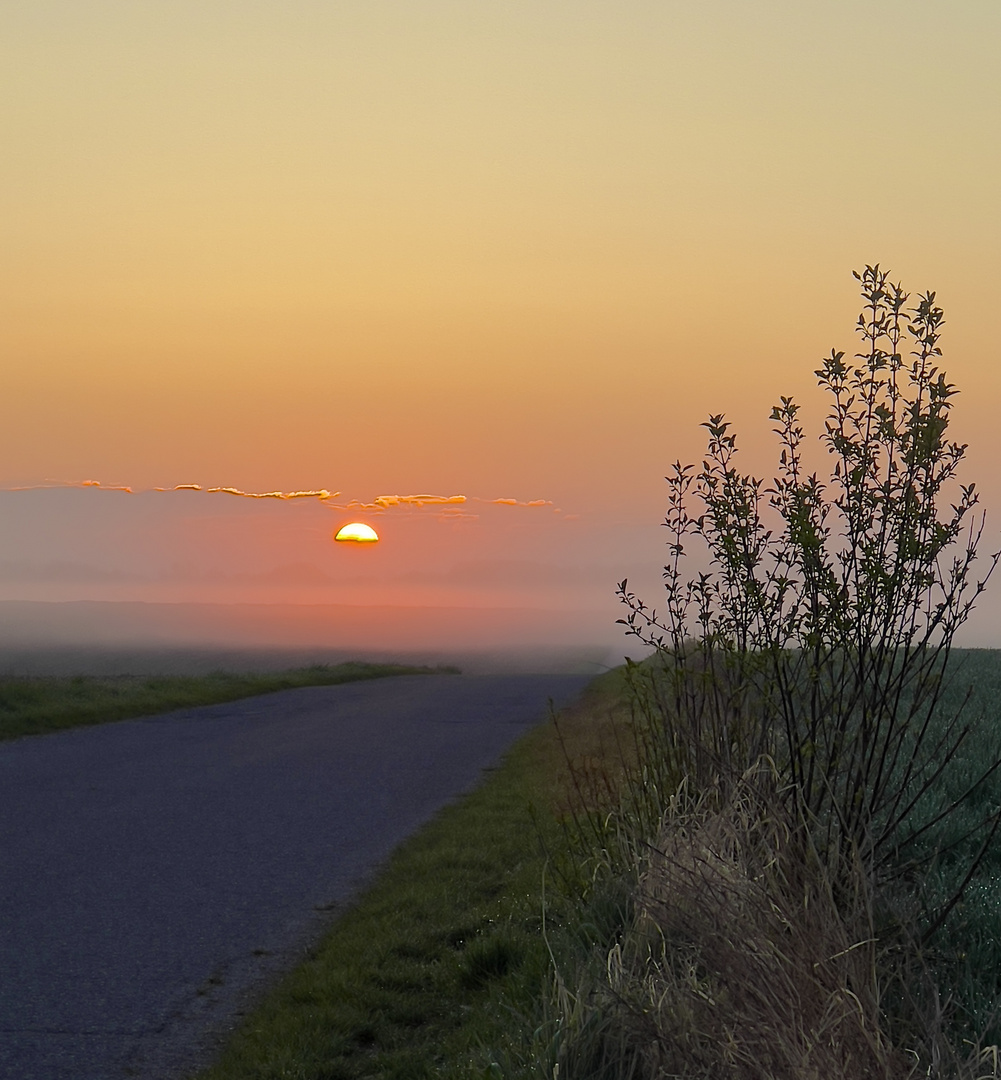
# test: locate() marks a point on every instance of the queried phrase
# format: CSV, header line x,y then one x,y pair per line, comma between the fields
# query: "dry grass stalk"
x,y
740,963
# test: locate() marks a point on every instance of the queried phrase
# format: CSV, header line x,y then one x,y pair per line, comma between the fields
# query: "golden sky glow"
x,y
513,248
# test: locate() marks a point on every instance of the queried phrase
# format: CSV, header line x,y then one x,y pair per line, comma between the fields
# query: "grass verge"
x,y
441,964
34,706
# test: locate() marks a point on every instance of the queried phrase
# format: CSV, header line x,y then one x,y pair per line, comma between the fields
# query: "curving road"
x,y
154,871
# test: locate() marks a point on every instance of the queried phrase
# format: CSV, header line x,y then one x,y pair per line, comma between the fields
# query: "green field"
x,y
36,705
966,958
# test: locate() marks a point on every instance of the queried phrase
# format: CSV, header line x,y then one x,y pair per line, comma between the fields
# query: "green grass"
x,y
439,968
33,706
965,957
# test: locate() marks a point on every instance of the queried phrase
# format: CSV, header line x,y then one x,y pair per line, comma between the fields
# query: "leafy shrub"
x,y
792,737
820,637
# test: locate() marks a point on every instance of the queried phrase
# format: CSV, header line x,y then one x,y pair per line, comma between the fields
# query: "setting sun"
x,y
357,533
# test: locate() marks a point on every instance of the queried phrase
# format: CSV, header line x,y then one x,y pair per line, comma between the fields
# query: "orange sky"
x,y
513,250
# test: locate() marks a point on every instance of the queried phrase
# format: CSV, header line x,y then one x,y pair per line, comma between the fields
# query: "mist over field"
x,y
91,637
91,579
99,580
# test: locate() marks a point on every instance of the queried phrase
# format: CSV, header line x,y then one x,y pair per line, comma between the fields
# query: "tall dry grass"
x,y
711,939
740,961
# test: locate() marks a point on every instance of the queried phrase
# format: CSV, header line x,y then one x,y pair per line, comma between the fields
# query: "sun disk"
x,y
356,533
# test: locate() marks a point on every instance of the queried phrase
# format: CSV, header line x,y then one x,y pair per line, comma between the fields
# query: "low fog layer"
x,y
161,571
154,571
316,633
69,659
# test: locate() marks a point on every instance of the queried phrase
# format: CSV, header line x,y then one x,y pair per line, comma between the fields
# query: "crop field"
x,y
34,705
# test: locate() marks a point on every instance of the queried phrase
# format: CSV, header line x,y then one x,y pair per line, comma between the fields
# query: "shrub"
x,y
790,742
820,633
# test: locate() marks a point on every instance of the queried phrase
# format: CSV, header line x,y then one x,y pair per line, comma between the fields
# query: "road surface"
x,y
154,872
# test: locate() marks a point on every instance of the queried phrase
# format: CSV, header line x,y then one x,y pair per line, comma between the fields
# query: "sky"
x,y
504,251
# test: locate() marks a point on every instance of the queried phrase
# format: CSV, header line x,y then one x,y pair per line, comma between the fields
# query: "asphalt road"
x,y
154,872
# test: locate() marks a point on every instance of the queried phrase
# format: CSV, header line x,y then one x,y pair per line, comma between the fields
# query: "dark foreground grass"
x,y
442,962
738,959
35,705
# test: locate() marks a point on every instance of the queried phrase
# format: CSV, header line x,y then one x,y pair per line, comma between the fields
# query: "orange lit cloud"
x,y
384,502
320,494
72,484
451,504
517,502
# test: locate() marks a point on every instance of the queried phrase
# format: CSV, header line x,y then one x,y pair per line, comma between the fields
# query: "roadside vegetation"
x,y
703,936
808,838
514,936
33,705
